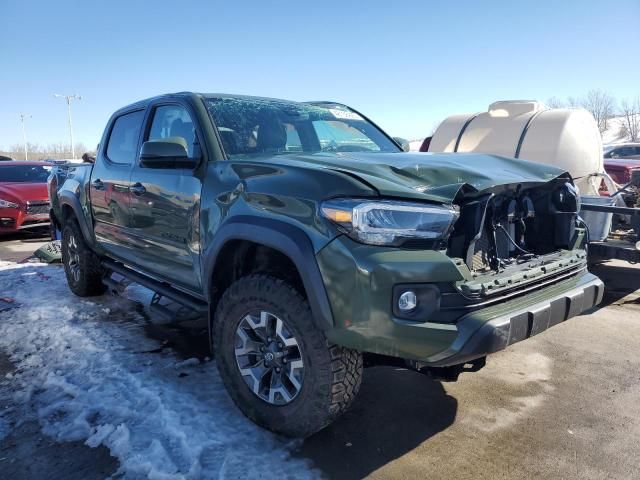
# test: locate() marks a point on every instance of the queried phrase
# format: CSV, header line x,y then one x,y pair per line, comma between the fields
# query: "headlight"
x,y
8,204
391,223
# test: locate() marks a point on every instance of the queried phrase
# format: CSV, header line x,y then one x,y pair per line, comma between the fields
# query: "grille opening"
x,y
516,224
37,207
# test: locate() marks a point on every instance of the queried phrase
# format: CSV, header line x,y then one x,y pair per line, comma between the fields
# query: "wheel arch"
x,y
70,208
291,244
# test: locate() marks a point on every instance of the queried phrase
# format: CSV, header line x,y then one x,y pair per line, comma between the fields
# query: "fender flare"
x,y
69,199
288,240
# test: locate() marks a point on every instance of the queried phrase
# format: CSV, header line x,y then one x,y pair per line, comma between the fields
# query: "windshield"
x,y
249,126
24,173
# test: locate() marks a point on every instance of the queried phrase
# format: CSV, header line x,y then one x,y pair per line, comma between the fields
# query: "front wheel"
x,y
276,364
81,266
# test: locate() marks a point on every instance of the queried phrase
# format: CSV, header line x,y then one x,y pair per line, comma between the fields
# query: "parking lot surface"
x,y
562,405
15,248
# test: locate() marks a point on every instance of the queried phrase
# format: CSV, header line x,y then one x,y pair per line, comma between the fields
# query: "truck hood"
x,y
427,176
21,192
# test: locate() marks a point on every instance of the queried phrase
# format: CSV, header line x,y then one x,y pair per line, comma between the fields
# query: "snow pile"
x,y
87,369
615,132
414,145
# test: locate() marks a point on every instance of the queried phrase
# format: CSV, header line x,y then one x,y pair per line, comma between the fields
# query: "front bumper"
x,y
14,220
359,280
514,326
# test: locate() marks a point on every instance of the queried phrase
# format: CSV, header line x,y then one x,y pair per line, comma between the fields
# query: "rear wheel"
x,y
81,266
276,364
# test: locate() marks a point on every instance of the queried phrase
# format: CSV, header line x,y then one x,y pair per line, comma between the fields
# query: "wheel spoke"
x,y
253,376
295,368
284,336
248,346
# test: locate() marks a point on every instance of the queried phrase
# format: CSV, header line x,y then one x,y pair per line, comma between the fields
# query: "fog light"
x,y
407,301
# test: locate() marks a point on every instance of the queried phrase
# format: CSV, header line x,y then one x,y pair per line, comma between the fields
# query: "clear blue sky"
x,y
405,64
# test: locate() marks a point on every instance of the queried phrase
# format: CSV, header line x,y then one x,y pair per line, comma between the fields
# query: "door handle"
x,y
137,189
97,184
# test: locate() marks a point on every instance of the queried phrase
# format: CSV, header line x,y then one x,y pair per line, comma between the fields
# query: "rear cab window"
x,y
123,139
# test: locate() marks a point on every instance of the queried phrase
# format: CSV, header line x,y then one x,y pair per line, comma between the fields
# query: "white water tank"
x,y
529,130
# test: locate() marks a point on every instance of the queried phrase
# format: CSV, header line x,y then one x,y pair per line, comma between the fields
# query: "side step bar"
x,y
163,289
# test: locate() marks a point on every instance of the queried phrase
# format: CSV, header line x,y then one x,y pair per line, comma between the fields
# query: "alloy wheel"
x,y
269,358
74,258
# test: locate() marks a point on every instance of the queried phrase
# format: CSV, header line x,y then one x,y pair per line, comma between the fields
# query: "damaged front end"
x,y
513,240
518,232
480,264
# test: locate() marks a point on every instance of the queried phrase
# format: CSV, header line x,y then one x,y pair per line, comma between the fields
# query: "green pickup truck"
x,y
316,245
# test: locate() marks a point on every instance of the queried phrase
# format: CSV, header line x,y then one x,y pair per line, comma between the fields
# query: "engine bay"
x,y
515,224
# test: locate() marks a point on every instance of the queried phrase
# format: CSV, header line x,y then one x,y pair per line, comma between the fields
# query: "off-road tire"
x,y
332,374
87,281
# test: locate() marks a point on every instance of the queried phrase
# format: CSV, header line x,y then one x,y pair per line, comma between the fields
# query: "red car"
x,y
24,201
620,168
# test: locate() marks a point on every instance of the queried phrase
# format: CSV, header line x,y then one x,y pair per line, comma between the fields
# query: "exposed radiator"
x,y
480,260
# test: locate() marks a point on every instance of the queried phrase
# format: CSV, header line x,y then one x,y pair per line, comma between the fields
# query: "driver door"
x,y
165,205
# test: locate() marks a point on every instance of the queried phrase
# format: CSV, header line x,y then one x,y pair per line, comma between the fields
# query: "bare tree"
x,y
602,107
56,151
630,112
573,102
555,102
570,102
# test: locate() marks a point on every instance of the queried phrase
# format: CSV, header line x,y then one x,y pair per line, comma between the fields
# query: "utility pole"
x,y
68,98
24,116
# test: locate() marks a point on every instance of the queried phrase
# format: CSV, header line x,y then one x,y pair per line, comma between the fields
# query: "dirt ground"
x,y
562,405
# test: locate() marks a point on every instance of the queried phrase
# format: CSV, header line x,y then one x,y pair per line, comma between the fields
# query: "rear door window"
x,y
123,141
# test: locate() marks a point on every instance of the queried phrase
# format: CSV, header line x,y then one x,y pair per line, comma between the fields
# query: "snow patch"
x,y
5,428
190,362
614,133
81,365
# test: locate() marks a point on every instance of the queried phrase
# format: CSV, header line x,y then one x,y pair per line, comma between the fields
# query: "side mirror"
x,y
403,143
166,153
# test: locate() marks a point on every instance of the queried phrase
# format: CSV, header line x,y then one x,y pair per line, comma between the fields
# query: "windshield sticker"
x,y
345,114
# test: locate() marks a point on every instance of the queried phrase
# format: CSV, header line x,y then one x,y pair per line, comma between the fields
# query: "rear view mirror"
x,y
404,144
166,153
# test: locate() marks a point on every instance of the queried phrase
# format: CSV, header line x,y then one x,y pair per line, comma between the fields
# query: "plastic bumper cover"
x,y
504,330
